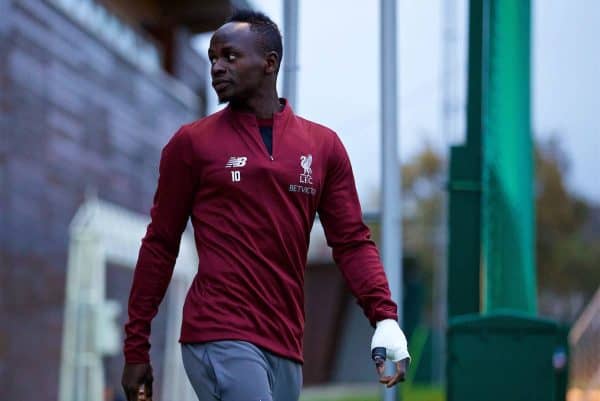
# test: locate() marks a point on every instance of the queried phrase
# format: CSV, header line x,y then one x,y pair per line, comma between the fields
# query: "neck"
x,y
262,105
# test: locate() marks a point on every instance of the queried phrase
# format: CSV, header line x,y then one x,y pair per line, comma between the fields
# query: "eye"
x,y
231,57
212,60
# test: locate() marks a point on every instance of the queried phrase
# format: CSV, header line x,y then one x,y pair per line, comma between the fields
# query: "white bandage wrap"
x,y
390,336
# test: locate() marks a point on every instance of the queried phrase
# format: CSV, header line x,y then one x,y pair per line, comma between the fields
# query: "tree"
x,y
567,261
567,253
422,195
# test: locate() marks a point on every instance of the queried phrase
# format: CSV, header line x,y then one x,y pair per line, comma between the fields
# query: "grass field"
x,y
409,393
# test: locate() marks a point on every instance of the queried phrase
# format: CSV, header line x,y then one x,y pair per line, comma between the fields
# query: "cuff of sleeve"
x,y
381,316
136,357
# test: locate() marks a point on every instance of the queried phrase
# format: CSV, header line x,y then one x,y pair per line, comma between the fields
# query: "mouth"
x,y
220,85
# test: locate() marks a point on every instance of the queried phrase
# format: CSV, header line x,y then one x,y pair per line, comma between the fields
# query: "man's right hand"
x,y
137,381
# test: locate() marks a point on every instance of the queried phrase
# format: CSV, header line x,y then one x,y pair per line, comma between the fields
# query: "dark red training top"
x,y
252,214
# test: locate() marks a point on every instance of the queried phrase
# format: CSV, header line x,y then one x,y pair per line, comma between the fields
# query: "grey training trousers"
x,y
240,371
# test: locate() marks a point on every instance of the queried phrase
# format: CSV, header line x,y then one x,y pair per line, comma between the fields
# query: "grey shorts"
x,y
240,371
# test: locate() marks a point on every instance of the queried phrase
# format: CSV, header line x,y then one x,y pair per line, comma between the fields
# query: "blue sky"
x,y
338,79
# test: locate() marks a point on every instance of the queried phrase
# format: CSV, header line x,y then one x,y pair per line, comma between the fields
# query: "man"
x,y
252,177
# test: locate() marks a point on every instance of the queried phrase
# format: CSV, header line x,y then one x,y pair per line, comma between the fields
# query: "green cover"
x,y
506,356
508,247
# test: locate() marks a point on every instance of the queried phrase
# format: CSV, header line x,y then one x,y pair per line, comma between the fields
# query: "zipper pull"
x,y
271,157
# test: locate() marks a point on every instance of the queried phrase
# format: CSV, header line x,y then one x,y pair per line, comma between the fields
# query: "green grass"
x,y
409,393
421,393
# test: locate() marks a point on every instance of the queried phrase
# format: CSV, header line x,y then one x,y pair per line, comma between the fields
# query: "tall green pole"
x,y
464,201
484,338
508,218
491,259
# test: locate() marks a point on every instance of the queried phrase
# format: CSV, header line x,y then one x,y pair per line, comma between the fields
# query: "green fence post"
x,y
508,219
464,208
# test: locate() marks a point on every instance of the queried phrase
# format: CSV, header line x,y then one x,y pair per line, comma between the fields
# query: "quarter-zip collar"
x,y
245,122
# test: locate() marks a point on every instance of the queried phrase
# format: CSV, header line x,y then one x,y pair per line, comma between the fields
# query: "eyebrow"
x,y
228,47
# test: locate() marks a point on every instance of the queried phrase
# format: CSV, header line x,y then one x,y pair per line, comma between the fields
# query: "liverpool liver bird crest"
x,y
305,162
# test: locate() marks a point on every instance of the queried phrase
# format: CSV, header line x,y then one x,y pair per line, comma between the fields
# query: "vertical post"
x,y
464,201
290,59
448,124
508,226
391,218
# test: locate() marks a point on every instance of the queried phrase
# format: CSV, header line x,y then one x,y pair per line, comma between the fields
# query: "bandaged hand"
x,y
388,335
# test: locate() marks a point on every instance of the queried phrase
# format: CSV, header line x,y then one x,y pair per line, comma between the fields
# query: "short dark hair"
x,y
264,26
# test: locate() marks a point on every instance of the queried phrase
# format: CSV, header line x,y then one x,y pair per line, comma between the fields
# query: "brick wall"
x,y
74,118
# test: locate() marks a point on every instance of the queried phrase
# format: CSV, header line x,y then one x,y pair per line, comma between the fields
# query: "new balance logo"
x,y
235,162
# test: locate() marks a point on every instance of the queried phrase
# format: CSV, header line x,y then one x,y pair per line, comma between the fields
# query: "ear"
x,y
271,62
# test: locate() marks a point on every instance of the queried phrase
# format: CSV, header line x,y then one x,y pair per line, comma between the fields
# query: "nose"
x,y
217,68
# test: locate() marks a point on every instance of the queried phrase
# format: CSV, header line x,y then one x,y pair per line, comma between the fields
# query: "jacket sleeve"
x,y
350,239
171,209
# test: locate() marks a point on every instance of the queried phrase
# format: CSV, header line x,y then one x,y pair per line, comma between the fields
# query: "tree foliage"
x,y
422,224
567,261
567,255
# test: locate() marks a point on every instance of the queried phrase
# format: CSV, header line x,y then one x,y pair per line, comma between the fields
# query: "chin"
x,y
224,98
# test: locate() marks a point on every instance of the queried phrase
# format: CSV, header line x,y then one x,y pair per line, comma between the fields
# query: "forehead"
x,y
235,34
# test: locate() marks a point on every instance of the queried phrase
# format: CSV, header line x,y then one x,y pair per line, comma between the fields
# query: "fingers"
x,y
148,387
399,376
131,394
380,368
401,367
144,392
141,393
148,390
138,394
137,381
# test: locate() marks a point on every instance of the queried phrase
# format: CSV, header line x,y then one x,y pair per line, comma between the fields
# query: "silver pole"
x,y
391,222
449,131
290,58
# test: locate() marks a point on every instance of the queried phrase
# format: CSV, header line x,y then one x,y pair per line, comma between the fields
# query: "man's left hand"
x,y
399,376
389,336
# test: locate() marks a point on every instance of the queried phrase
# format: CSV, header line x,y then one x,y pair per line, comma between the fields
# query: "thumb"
x,y
148,391
144,392
148,383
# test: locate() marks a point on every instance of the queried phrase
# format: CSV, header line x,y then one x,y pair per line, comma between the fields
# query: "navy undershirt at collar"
x,y
265,127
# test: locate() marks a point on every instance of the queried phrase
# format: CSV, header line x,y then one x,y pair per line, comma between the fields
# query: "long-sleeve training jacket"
x,y
252,213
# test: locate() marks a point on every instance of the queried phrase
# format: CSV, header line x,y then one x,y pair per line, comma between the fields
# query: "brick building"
x,y
89,94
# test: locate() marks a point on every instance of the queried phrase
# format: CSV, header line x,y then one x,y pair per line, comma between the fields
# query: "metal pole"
x,y
290,59
448,125
391,222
